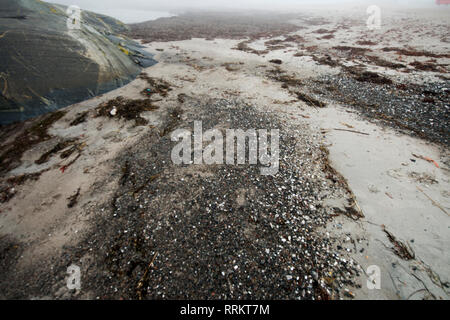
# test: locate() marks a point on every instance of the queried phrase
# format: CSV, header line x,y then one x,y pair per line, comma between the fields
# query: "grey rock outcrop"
x,y
45,65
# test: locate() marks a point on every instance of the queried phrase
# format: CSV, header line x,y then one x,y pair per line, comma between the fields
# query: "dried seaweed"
x,y
243,46
34,134
58,147
310,100
73,199
400,249
384,63
7,186
327,60
214,26
415,53
366,43
280,75
126,108
174,118
352,50
369,76
276,61
353,211
158,86
425,66
80,118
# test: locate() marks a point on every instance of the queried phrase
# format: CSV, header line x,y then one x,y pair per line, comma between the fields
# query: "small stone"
x,y
348,293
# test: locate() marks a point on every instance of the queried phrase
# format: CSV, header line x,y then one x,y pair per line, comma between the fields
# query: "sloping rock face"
x,y
45,65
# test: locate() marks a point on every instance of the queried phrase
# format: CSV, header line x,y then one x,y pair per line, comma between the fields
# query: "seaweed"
x,y
415,53
327,37
182,97
281,76
352,210
425,66
7,186
34,134
366,43
127,109
276,61
273,42
310,100
214,26
326,60
174,118
157,86
352,50
322,31
73,199
80,118
369,76
58,147
384,63
400,249
294,38
243,46
230,66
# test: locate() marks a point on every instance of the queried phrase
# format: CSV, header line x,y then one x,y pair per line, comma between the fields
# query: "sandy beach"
x,y
363,181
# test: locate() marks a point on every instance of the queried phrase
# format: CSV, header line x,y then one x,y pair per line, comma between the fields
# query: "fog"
x,y
140,10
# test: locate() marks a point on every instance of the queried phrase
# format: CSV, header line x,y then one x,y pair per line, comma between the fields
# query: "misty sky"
x,y
141,10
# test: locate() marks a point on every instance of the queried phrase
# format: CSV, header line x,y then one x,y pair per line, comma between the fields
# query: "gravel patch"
x,y
422,111
218,232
